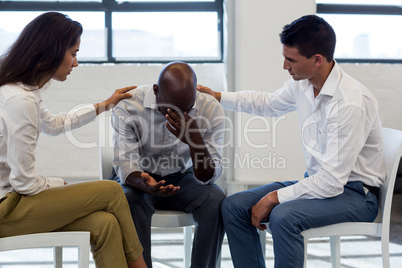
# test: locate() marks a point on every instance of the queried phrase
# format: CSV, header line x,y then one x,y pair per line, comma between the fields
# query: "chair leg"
x,y
305,252
83,260
335,243
188,231
385,251
263,241
58,257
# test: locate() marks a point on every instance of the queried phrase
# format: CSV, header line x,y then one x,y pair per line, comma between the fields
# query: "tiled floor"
x,y
356,252
167,250
168,253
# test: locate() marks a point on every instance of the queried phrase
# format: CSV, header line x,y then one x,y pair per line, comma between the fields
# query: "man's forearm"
x,y
203,164
135,180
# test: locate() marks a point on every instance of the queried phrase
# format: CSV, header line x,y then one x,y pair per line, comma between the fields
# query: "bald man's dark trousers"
x,y
204,201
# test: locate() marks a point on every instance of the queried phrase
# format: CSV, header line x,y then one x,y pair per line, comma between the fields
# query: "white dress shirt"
x,y
340,129
22,117
143,143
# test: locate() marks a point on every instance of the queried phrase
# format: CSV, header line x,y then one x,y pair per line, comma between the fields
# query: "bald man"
x,y
168,154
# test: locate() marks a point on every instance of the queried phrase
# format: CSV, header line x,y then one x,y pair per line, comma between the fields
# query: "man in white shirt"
x,y
168,154
342,142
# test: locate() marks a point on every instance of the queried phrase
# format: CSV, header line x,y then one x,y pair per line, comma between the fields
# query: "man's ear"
x,y
156,89
318,59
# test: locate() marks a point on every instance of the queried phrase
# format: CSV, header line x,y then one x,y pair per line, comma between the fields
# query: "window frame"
x,y
355,9
110,6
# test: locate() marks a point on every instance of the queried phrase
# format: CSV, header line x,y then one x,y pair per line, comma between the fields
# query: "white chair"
x,y
58,240
378,228
161,218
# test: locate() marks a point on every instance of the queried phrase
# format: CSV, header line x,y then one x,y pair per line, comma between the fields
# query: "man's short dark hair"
x,y
310,35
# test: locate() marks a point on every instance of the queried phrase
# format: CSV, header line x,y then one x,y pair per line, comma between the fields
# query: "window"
x,y
366,30
132,30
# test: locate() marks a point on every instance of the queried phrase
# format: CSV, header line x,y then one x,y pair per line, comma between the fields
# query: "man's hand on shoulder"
x,y
203,89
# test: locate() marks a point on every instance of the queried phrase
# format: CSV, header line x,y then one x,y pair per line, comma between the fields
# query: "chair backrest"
x,y
105,132
392,155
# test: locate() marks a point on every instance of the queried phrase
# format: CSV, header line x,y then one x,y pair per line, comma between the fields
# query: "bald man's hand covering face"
x,y
184,128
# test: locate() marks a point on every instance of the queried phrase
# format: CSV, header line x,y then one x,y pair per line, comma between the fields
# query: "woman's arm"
x,y
110,102
64,122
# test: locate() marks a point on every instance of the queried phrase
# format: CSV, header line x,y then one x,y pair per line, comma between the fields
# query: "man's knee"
x,y
232,207
283,217
217,195
214,197
208,200
226,207
133,195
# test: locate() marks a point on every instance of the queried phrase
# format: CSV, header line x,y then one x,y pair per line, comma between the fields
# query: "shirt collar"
x,y
150,99
333,79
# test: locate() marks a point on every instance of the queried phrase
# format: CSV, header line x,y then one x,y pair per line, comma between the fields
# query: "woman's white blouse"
x,y
22,117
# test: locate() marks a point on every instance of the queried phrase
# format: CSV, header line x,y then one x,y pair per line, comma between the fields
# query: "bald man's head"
x,y
176,88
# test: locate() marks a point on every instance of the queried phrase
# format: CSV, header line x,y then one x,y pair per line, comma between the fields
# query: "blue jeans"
x,y
288,220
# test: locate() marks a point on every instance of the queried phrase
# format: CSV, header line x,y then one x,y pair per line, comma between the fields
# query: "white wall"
x,y
255,62
385,82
